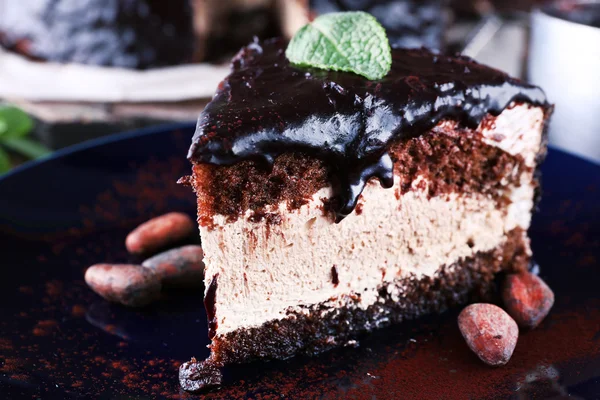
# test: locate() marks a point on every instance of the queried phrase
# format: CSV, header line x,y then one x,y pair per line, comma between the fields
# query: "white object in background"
x,y
21,78
506,51
499,43
564,60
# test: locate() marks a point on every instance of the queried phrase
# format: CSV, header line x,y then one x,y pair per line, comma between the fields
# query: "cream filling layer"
x,y
517,131
266,268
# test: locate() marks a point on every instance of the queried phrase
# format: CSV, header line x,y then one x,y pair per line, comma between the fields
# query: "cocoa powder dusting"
x,y
78,310
44,327
433,361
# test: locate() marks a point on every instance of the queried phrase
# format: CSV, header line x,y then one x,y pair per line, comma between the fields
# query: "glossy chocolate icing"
x,y
267,107
210,302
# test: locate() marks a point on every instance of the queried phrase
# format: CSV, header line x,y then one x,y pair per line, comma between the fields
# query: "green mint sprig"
x,y
345,41
15,126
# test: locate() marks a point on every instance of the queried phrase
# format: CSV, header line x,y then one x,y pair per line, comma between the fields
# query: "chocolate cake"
x,y
409,23
330,205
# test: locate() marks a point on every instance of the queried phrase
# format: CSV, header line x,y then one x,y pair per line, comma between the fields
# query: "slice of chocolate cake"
x,y
330,205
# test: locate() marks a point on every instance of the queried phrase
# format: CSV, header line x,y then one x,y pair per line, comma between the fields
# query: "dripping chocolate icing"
x,y
267,107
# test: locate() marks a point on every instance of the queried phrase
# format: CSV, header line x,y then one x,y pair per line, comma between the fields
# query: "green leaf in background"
x,y
345,41
26,147
4,162
14,123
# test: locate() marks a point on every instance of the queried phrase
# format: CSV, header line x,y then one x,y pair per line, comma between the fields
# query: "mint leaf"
x,y
344,41
26,147
14,122
4,162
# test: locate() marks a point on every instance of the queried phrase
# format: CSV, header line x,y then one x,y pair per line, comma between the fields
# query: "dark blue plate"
x,y
59,340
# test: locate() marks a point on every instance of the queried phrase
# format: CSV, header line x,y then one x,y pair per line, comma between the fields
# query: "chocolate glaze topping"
x,y
210,306
267,107
335,279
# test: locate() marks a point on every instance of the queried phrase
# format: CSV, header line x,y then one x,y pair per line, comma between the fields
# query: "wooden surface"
x,y
61,124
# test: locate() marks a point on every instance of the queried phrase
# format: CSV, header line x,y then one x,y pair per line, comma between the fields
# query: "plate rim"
x,y
101,141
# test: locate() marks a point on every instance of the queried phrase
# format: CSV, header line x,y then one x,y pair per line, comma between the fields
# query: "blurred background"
x,y
73,70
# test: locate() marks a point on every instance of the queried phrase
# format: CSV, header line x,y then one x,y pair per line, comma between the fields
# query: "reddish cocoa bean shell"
x,y
180,267
489,332
159,232
131,285
527,298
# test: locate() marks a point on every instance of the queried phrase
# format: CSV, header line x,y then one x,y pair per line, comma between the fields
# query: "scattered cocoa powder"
x,y
54,288
26,290
78,311
44,327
